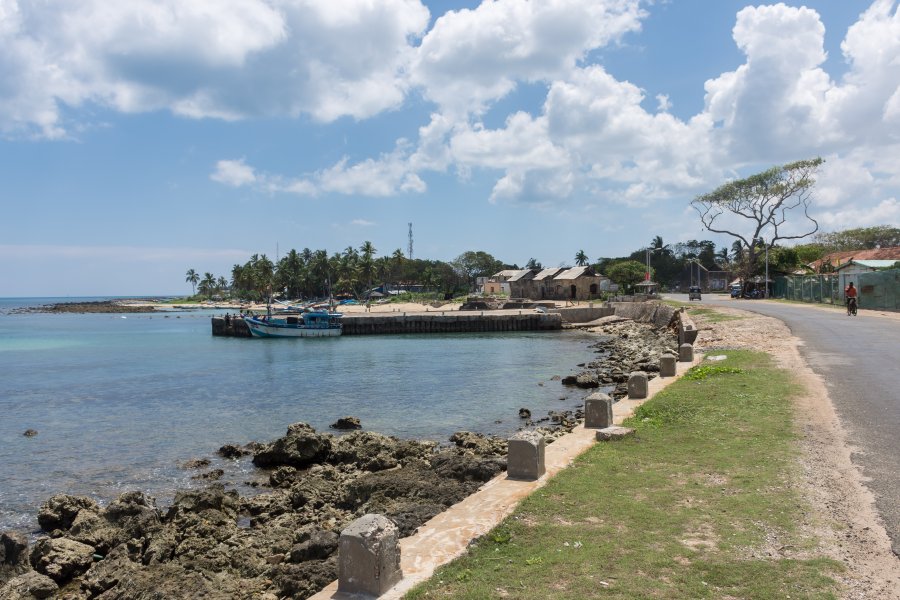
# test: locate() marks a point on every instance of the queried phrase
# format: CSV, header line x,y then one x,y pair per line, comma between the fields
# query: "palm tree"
x,y
221,283
581,258
208,284
367,249
289,273
367,265
192,278
657,245
722,257
397,271
263,273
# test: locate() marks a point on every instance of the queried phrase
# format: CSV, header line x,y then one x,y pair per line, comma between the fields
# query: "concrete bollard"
x,y
369,556
685,353
637,385
525,456
598,411
667,365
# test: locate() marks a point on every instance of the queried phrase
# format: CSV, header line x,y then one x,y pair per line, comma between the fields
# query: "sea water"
x,y
119,401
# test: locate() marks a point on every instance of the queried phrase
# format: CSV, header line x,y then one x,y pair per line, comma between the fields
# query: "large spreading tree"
x,y
755,210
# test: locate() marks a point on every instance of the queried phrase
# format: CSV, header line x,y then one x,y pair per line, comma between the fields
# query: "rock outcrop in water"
x,y
629,347
213,543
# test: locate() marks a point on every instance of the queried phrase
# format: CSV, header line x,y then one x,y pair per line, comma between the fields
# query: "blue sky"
x,y
142,138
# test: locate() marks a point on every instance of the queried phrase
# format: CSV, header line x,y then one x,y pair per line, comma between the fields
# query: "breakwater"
x,y
424,322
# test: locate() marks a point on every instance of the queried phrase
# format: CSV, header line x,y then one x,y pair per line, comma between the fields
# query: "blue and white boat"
x,y
318,323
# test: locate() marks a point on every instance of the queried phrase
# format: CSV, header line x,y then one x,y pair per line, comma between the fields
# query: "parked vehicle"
x,y
735,291
694,293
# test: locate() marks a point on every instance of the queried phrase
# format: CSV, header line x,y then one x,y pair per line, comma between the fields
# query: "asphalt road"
x,y
858,359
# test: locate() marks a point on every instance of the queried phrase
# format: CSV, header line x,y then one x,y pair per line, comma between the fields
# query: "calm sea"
x,y
119,401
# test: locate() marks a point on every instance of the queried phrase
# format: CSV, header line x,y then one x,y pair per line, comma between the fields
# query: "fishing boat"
x,y
317,323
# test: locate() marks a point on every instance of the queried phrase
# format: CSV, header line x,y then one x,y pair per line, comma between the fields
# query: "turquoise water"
x,y
120,400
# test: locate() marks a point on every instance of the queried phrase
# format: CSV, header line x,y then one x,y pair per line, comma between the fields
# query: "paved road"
x,y
858,359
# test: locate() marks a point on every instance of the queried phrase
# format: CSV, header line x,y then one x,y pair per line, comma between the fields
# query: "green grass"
x,y
675,303
712,316
699,504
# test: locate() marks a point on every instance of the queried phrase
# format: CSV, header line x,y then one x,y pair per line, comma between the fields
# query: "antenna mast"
x,y
409,249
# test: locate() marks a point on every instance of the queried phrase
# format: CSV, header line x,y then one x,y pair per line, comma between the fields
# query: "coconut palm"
x,y
581,258
192,278
397,259
657,245
289,273
367,250
208,284
367,264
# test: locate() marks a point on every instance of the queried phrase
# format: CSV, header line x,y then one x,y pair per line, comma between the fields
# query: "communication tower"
x,y
409,248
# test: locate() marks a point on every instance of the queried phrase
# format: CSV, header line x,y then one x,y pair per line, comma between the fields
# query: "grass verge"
x,y
698,504
712,316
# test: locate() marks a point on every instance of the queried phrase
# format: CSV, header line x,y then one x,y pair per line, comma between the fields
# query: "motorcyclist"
x,y
850,292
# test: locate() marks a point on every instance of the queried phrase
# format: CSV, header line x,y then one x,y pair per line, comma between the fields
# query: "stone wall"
x,y
660,315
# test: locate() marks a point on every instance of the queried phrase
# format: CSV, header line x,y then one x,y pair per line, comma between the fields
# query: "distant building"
x,y
852,269
835,260
577,283
499,282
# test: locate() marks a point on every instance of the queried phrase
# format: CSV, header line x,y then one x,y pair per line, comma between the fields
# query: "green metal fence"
x,y
879,290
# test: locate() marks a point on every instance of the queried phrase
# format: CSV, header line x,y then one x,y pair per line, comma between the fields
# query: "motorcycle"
x,y
851,306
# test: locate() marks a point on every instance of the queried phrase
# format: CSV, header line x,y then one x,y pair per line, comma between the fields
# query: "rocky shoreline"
x,y
98,306
214,543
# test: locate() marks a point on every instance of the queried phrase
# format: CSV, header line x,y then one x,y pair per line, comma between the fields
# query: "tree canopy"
x,y
626,273
862,238
757,208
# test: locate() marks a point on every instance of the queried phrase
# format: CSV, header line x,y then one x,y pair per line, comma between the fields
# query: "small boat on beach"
x,y
317,323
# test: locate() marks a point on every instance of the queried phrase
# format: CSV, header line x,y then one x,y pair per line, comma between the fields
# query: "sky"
x,y
143,138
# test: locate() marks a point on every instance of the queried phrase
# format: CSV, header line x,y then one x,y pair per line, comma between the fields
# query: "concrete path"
x,y
448,534
857,357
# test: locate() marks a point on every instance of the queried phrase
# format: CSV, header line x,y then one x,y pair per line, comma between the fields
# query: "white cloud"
x,y
663,104
387,175
773,104
362,223
234,173
853,215
205,58
473,57
591,139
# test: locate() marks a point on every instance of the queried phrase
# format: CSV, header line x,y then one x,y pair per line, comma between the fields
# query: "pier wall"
x,y
454,322
233,328
583,314
660,315
396,323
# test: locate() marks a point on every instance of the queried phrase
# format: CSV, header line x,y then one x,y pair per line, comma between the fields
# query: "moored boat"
x,y
308,324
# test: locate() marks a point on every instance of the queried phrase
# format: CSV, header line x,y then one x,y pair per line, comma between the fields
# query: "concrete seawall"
x,y
660,315
448,322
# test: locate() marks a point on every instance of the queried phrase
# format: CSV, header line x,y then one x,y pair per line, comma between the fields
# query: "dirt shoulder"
x,y
843,512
